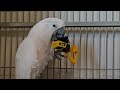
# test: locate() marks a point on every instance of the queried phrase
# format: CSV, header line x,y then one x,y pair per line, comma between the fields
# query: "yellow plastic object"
x,y
59,44
73,50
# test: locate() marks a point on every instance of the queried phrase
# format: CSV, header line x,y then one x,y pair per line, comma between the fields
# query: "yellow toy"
x,y
63,45
73,50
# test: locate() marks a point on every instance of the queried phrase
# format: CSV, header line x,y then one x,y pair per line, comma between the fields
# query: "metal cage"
x,y
98,44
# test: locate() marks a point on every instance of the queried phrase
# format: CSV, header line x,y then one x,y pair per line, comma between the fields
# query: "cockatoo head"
x,y
47,28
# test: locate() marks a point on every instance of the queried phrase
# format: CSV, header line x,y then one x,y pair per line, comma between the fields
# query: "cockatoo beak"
x,y
58,34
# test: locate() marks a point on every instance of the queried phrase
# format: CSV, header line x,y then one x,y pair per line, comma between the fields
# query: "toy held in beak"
x,y
61,43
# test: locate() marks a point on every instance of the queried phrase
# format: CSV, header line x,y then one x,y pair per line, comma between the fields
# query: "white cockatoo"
x,y
33,53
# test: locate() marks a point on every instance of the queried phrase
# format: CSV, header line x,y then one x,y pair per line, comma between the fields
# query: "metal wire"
x,y
86,49
73,68
66,59
113,51
106,51
53,66
99,51
10,70
80,55
10,57
5,54
93,54
0,52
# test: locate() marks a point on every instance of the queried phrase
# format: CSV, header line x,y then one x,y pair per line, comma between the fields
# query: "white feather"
x,y
33,53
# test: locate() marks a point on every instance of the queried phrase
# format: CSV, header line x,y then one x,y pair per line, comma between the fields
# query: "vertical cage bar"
x,y
99,50
5,29
106,16
86,49
113,51
92,16
17,35
93,47
106,49
0,45
66,58
68,31
0,50
119,15
72,65
24,21
80,55
52,14
79,16
53,65
47,71
73,45
5,53
10,48
119,50
35,16
67,16
112,15
72,42
60,60
86,15
16,44
10,55
60,69
29,16
93,54
119,53
73,16
99,15
17,31
113,42
84,69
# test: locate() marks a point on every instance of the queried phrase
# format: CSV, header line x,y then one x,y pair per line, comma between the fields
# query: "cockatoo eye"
x,y
54,25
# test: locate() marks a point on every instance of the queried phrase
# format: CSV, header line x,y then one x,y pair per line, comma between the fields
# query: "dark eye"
x,y
54,25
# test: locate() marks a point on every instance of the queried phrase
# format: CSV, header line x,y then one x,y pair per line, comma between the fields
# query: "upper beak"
x,y
60,32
